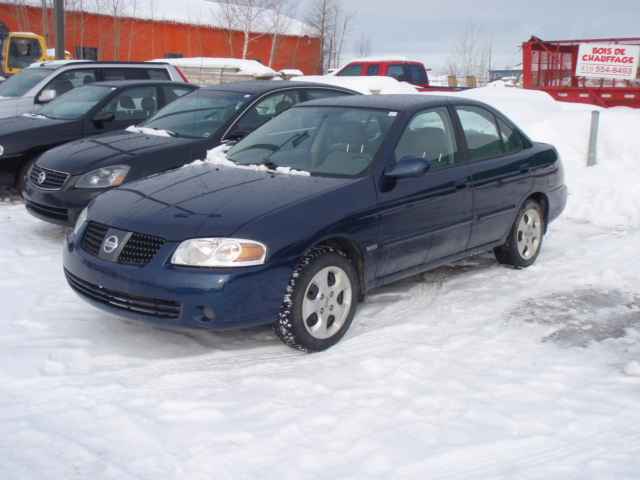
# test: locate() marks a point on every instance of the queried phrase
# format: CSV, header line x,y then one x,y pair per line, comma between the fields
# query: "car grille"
x,y
146,306
53,180
139,250
93,238
54,213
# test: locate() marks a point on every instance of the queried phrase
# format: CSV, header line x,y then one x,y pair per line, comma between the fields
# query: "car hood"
x,y
204,200
125,147
18,134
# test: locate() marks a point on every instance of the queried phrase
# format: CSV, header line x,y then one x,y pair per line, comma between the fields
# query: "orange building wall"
x,y
128,39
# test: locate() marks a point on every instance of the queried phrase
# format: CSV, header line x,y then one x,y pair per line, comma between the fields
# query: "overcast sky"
x,y
427,29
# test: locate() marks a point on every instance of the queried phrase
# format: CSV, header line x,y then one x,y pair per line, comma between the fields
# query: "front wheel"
x,y
320,301
525,240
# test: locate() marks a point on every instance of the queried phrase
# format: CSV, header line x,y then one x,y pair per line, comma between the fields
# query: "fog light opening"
x,y
208,314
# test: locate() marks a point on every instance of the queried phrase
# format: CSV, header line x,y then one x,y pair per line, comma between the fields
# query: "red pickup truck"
x,y
409,71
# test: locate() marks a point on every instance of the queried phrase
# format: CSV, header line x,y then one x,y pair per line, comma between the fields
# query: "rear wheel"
x,y
525,240
320,301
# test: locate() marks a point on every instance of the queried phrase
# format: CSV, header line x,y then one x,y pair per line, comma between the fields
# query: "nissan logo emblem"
x,y
110,244
42,177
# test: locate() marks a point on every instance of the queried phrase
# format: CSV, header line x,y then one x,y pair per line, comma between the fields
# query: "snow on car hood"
x,y
218,156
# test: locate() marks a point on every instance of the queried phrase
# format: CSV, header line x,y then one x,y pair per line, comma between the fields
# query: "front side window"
x,y
267,109
329,141
429,135
353,70
21,83
481,132
134,104
200,114
67,81
76,103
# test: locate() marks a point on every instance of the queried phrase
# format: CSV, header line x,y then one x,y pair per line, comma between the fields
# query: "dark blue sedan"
x,y
314,209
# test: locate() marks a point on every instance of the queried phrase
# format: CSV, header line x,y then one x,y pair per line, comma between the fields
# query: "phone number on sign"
x,y
607,69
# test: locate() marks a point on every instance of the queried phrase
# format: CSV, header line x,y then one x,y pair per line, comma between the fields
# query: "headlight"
x,y
1,150
219,252
104,177
81,220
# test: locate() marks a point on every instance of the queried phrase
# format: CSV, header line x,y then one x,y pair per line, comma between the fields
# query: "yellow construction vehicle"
x,y
18,50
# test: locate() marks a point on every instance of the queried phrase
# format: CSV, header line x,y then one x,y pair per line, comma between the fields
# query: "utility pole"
x,y
59,13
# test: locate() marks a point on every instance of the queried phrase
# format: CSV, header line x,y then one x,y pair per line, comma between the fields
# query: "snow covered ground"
x,y
473,371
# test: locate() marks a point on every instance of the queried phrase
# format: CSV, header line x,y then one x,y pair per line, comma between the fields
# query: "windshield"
x,y
199,114
331,141
24,81
76,103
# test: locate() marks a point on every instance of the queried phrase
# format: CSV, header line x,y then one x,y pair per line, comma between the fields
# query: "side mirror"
x,y
409,167
104,117
47,96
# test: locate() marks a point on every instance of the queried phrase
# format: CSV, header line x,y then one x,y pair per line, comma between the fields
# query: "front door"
x,y
426,218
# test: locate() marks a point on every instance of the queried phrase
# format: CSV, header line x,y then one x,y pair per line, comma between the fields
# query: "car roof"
x,y
135,83
259,87
408,102
55,64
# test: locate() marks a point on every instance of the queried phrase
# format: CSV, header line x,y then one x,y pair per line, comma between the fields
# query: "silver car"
x,y
40,83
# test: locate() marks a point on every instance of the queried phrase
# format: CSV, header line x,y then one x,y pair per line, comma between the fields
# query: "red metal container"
x,y
551,65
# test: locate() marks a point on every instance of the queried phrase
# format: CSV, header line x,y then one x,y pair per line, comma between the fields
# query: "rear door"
x,y
427,218
500,172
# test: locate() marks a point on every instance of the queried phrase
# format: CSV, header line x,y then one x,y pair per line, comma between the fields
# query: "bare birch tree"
x,y
331,24
471,53
246,16
363,46
281,16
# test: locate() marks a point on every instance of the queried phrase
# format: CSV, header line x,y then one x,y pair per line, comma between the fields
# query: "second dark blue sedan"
x,y
314,209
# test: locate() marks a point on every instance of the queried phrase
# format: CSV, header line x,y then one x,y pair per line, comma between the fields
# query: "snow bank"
x,y
607,194
364,85
240,66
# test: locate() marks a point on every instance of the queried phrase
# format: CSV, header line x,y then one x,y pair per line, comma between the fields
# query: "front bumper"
x,y
164,294
61,207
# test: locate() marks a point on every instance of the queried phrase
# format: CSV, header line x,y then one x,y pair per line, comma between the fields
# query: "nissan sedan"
x,y
313,210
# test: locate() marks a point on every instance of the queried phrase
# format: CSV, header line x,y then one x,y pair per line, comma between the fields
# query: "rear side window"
x,y
397,72
353,70
481,132
158,74
373,70
417,74
430,136
115,74
511,138
316,94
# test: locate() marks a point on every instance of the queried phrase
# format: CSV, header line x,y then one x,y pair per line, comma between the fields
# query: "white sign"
x,y
614,62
